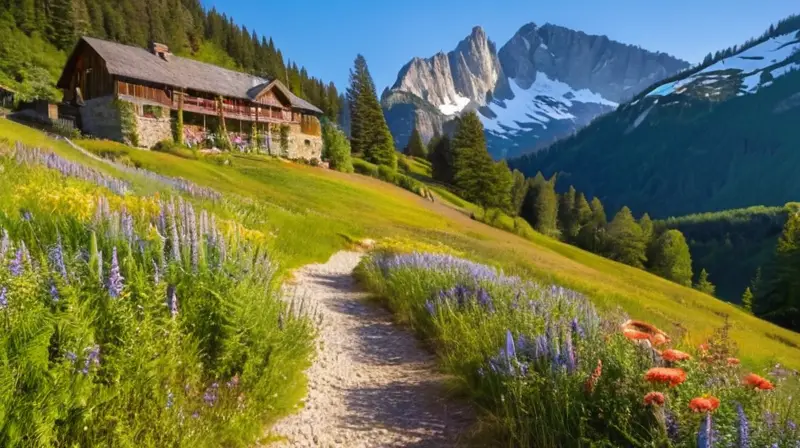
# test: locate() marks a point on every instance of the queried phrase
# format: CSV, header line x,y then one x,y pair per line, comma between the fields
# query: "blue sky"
x,y
325,36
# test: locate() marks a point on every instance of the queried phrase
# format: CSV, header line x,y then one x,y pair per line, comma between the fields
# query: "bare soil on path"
x,y
372,383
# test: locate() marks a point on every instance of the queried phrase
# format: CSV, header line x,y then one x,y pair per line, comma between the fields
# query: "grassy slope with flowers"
x,y
113,335
310,213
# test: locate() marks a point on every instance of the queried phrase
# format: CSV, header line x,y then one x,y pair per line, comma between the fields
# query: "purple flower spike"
x,y
511,351
429,305
57,258
17,265
5,244
92,358
115,279
170,398
54,292
705,437
3,299
744,428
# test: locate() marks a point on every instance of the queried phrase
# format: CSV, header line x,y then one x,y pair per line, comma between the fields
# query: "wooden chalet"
x,y
99,69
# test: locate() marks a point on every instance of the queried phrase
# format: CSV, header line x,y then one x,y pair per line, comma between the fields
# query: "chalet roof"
x,y
139,63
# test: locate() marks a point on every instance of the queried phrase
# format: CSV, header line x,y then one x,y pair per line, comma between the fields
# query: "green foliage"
x,y
336,148
567,218
283,139
170,147
670,258
704,285
519,189
128,120
369,133
416,147
475,175
626,240
778,298
386,174
179,124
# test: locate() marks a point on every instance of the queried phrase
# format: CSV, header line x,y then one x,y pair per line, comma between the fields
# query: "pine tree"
x,y
626,242
567,221
416,148
671,258
647,227
592,236
747,300
369,133
540,207
442,160
474,170
778,295
519,189
704,285
62,24
583,213
501,183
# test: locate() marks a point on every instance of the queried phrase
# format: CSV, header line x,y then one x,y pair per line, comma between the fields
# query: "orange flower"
x,y
673,355
665,375
635,335
654,398
758,382
659,339
592,381
705,403
704,347
733,362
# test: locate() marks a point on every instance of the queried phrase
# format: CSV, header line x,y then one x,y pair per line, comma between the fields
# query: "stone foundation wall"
x,y
153,130
101,118
307,147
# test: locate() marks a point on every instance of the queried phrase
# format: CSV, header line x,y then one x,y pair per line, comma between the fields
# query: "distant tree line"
x,y
184,25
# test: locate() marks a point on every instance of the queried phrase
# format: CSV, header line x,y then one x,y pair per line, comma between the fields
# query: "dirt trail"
x,y
372,384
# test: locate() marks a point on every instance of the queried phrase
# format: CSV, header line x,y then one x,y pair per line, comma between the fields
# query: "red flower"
x,y
659,339
637,331
654,399
704,347
757,382
665,375
733,361
705,403
635,335
673,355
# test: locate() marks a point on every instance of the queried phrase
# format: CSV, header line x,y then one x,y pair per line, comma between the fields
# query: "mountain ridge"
x,y
477,75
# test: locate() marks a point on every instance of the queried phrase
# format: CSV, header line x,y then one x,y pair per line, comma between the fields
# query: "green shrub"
x,y
363,167
403,165
386,174
336,148
170,147
106,149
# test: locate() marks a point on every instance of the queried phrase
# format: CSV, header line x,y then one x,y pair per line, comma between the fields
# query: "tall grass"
x,y
551,371
135,321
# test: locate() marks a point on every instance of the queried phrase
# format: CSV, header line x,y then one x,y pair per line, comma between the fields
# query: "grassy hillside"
x,y
310,213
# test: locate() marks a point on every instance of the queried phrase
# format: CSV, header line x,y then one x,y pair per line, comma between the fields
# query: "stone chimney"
x,y
160,50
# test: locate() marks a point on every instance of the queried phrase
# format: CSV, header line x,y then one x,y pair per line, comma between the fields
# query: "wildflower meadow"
x,y
549,370
135,321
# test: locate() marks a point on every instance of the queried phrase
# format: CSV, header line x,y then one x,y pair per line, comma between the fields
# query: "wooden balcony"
x,y
236,111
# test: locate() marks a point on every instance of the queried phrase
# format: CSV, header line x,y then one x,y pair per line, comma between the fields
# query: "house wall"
x,y
302,146
153,130
101,118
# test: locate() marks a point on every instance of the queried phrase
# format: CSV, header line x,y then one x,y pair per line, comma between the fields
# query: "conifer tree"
x,y
540,207
567,221
671,258
647,227
442,160
704,284
474,170
583,213
519,189
416,148
592,236
501,183
778,296
626,242
369,133
747,300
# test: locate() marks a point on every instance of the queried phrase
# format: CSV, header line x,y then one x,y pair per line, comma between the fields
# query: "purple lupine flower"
x,y
3,298
27,216
511,352
431,307
195,415
17,264
791,425
5,244
92,358
769,419
194,240
541,348
577,330
485,300
570,360
100,265
172,301
705,437
174,238
673,430
71,356
57,258
170,398
234,382
744,428
210,395
115,279
126,222
54,292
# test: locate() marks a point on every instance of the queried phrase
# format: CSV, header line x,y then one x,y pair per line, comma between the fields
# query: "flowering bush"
x,y
551,371
129,321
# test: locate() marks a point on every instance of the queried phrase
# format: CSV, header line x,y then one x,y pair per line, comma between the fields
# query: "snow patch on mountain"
x,y
454,106
545,100
749,65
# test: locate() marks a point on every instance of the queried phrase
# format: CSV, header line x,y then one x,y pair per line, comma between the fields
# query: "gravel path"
x,y
371,385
